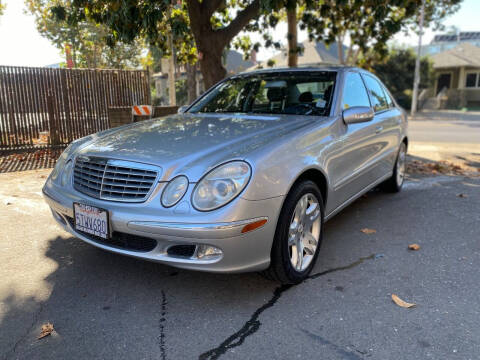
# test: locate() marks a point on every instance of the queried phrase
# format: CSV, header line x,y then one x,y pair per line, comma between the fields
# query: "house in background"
x,y
312,54
457,78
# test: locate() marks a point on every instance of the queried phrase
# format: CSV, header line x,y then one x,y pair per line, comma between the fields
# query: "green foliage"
x,y
87,39
397,72
2,8
435,12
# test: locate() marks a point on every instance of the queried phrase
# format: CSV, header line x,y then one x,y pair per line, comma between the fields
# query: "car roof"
x,y
323,67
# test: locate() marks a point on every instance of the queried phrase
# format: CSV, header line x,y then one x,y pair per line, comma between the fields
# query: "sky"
x,y
22,45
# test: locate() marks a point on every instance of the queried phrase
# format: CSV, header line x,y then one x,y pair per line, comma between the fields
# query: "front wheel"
x,y
298,235
395,183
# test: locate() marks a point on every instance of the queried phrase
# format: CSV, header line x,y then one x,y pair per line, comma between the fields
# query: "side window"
x,y
354,93
377,96
390,102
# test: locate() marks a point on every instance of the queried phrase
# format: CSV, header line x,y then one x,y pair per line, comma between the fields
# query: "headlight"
x,y
221,185
58,168
66,173
174,191
60,164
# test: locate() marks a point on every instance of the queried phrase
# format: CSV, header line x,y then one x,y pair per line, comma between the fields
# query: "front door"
x,y
351,162
443,82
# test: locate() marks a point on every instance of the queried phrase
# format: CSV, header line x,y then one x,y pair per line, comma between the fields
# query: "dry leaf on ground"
x,y
368,231
47,329
402,303
462,195
414,247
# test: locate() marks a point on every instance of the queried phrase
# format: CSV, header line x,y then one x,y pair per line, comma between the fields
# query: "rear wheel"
x,y
298,235
395,183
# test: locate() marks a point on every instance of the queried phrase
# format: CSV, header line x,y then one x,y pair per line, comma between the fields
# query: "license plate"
x,y
91,220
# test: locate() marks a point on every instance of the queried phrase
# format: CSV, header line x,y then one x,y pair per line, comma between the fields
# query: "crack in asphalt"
x,y
252,325
25,334
163,313
339,349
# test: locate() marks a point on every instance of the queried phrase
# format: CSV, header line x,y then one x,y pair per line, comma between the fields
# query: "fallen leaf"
x,y
47,329
402,303
462,195
368,231
414,247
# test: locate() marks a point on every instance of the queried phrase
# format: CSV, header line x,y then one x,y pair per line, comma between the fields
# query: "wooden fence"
x,y
43,107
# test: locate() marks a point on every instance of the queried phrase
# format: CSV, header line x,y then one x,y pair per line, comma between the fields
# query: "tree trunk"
x,y
292,33
211,66
340,49
191,82
210,43
348,57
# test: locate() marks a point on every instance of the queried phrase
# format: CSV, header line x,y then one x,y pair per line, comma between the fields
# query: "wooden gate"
x,y
43,107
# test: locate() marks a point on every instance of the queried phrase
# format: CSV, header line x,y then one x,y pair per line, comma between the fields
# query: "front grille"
x,y
113,179
120,240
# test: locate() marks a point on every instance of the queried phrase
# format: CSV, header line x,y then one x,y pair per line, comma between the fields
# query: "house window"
x,y
472,80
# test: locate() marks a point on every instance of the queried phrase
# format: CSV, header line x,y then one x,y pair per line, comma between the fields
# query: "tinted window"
x,y
377,96
354,93
297,93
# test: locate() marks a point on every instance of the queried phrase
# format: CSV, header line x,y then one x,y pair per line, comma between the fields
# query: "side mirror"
x,y
182,109
357,114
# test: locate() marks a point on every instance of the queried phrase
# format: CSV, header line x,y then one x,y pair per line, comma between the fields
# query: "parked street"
x,y
108,306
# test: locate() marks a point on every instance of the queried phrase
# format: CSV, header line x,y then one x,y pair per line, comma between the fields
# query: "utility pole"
x,y
171,66
171,73
416,81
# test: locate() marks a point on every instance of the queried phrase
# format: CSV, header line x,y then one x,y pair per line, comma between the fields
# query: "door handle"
x,y
378,129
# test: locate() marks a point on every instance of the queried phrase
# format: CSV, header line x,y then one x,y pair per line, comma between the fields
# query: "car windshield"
x,y
296,93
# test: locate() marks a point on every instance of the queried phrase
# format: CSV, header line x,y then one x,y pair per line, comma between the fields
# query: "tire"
x,y
395,182
300,225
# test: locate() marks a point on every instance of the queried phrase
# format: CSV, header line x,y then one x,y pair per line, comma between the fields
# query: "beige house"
x,y
457,77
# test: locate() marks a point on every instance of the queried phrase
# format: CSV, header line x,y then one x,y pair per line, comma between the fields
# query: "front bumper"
x,y
181,225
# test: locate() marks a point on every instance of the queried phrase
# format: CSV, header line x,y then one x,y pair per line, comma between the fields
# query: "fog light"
x,y
205,252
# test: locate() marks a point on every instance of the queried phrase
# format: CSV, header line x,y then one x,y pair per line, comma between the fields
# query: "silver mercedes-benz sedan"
x,y
241,180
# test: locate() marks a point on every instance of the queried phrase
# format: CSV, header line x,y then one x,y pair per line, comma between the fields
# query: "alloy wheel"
x,y
304,232
401,164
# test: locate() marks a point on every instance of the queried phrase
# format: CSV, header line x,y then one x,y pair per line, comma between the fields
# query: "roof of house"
x,y
464,54
313,53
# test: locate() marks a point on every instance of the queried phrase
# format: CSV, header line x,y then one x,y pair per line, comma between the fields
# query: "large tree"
x,y
87,40
368,24
210,22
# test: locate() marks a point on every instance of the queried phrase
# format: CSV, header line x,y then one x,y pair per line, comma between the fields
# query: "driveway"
x,y
108,306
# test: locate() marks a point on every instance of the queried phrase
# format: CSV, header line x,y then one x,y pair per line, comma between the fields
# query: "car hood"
x,y
191,143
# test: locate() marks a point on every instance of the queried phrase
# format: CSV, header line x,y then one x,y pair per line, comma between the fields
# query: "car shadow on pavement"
x,y
103,305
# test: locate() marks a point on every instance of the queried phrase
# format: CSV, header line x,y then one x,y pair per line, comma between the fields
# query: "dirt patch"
x,y
418,166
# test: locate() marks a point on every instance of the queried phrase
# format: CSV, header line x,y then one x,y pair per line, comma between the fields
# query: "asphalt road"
x,y
112,307
463,129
